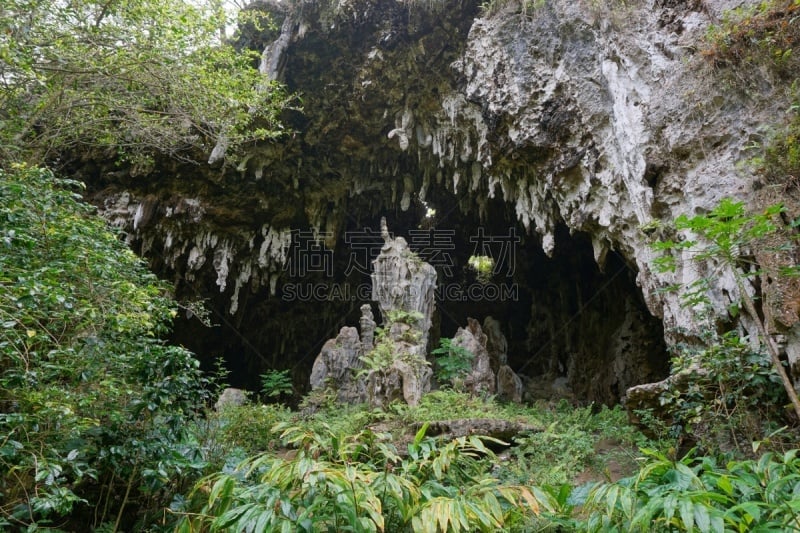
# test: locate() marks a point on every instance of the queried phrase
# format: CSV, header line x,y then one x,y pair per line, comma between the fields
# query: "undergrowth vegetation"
x,y
100,427
93,407
756,35
364,472
700,493
361,482
757,44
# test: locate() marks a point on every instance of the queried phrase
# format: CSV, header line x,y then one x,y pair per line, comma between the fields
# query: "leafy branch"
x,y
726,234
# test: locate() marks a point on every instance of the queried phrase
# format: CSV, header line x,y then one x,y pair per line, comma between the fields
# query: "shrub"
x,y
566,445
275,383
92,404
453,363
732,397
697,493
249,427
727,236
756,35
361,483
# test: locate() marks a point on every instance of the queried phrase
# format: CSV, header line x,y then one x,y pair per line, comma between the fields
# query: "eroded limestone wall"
x,y
601,117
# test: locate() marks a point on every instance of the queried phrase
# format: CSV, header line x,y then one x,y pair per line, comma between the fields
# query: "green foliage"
x,y
453,363
445,404
697,493
724,235
726,232
360,483
779,162
566,446
723,380
730,399
341,419
403,316
757,35
750,38
130,78
249,427
88,395
349,478
483,265
386,350
274,383
381,356
526,8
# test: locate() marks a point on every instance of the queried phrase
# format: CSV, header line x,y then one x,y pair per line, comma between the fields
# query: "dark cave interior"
x,y
562,316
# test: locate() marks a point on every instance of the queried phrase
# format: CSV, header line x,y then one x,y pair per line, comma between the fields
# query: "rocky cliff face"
x,y
565,127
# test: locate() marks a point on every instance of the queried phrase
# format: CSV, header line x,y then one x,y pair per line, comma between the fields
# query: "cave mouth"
x,y
572,330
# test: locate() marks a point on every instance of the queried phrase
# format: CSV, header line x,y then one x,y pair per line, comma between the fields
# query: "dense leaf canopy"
x,y
132,78
88,395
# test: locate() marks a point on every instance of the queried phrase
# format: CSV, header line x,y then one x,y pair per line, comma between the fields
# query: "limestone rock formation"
x,y
403,283
368,326
336,365
393,366
647,396
503,430
568,120
509,385
549,387
230,397
496,343
481,380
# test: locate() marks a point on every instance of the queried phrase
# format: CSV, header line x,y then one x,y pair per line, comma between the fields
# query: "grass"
x,y
570,444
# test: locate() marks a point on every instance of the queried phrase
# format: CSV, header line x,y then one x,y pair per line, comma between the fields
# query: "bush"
x,y
754,40
453,363
336,482
92,404
275,383
723,373
249,427
757,35
697,493
565,447
732,395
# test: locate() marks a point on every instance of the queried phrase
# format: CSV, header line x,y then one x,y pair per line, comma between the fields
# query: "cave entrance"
x,y
573,330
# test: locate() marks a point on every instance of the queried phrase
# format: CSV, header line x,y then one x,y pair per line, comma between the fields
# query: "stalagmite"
x,y
393,365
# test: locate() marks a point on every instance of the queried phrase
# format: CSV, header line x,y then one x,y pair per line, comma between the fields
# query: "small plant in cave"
x,y
453,363
404,317
384,353
483,265
380,357
275,383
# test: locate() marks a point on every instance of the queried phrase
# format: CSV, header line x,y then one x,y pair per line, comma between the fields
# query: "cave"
x,y
563,316
404,116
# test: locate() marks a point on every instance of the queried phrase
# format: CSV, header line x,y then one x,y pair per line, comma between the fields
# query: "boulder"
x,y
230,397
481,380
503,430
509,385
